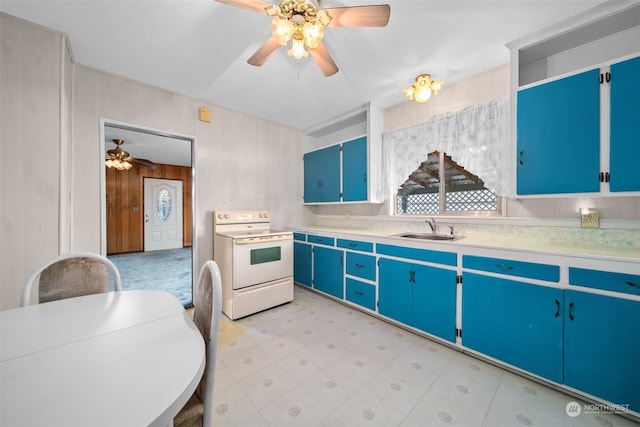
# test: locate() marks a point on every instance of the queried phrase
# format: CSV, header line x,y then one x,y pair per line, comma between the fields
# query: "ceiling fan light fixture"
x,y
118,164
297,47
423,88
298,22
282,29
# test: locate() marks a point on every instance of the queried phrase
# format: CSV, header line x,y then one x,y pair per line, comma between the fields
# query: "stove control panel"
x,y
241,217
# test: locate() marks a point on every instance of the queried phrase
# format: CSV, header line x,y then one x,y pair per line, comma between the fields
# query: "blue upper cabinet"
x,y
355,141
354,170
558,136
576,125
625,126
322,175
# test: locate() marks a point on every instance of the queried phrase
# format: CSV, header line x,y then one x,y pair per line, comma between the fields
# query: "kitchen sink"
x,y
427,236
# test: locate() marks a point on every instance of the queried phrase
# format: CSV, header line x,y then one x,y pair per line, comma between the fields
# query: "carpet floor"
x,y
167,270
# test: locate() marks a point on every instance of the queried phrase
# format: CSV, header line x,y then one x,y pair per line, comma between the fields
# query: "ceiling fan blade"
x,y
324,60
265,51
359,16
253,5
142,162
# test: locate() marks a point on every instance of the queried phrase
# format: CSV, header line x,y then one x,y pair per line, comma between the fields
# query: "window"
x,y
439,185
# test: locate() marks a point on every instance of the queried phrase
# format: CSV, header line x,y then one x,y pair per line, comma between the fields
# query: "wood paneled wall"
x,y
125,205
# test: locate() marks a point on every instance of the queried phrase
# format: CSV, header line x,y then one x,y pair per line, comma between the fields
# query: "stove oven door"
x,y
261,260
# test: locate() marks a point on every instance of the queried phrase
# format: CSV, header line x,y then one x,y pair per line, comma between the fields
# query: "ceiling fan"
x,y
301,23
120,159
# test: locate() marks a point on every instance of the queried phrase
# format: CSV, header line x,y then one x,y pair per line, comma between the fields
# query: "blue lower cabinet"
x,y
516,322
395,290
328,271
434,301
602,347
361,293
302,263
420,296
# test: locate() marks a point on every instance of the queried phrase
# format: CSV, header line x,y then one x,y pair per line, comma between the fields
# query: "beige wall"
x,y
241,162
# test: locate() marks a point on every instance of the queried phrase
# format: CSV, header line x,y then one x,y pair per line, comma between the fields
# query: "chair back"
x,y
206,316
71,275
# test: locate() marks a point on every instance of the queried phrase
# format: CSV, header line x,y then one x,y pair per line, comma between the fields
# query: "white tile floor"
x,y
316,362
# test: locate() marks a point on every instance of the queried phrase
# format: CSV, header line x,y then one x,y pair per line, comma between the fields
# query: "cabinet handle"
x,y
521,158
353,245
319,183
633,285
359,265
365,178
412,276
359,293
504,267
571,311
557,309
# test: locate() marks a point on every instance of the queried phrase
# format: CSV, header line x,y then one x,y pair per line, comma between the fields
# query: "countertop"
x,y
486,241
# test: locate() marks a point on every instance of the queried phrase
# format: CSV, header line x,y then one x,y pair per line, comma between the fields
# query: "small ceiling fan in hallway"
x,y
120,159
301,24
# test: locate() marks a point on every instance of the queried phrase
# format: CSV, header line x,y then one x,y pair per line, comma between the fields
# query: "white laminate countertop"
x,y
485,241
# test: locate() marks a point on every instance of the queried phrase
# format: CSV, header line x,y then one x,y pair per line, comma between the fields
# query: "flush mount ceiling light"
x,y
301,23
423,88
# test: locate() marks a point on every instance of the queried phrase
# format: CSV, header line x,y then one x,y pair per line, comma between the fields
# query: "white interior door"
x,y
162,214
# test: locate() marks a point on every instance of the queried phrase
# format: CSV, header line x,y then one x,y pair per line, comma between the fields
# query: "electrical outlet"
x,y
590,218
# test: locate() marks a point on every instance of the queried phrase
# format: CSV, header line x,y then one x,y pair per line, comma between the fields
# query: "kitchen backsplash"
x,y
558,235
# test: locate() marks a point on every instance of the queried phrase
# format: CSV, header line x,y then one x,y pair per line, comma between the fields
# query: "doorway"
x,y
165,159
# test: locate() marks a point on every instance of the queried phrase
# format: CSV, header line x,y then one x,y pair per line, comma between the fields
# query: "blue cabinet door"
x,y
518,323
602,348
354,170
302,263
558,136
322,175
328,275
625,126
434,301
395,290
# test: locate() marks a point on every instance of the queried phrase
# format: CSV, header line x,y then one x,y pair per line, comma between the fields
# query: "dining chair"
x,y
198,411
71,275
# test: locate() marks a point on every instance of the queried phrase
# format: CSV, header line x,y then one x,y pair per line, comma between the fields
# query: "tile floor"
x,y
316,362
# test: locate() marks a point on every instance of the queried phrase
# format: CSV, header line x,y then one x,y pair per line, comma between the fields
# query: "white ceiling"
x,y
199,48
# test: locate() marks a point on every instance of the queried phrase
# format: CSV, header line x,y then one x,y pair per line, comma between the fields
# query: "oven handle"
x,y
258,240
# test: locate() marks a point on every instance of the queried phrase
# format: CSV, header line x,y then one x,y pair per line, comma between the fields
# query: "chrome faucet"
x,y
432,224
451,230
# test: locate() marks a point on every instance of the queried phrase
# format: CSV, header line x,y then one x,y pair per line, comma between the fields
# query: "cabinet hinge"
x,y
605,77
459,278
458,333
604,177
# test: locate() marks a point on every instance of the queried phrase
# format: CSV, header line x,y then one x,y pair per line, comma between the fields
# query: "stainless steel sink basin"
x,y
427,236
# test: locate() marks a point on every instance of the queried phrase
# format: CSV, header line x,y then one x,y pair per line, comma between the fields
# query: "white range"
x,y
256,262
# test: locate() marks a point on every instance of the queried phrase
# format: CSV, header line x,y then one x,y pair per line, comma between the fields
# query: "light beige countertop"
x,y
487,241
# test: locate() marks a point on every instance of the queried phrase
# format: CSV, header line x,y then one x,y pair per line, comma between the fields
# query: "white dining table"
x,y
130,358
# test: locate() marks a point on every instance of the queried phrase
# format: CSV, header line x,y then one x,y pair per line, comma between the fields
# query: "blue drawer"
x,y
300,236
355,245
447,258
323,240
550,273
361,293
607,280
361,265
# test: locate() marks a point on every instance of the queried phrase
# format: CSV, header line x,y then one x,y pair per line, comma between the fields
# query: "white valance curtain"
x,y
477,138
